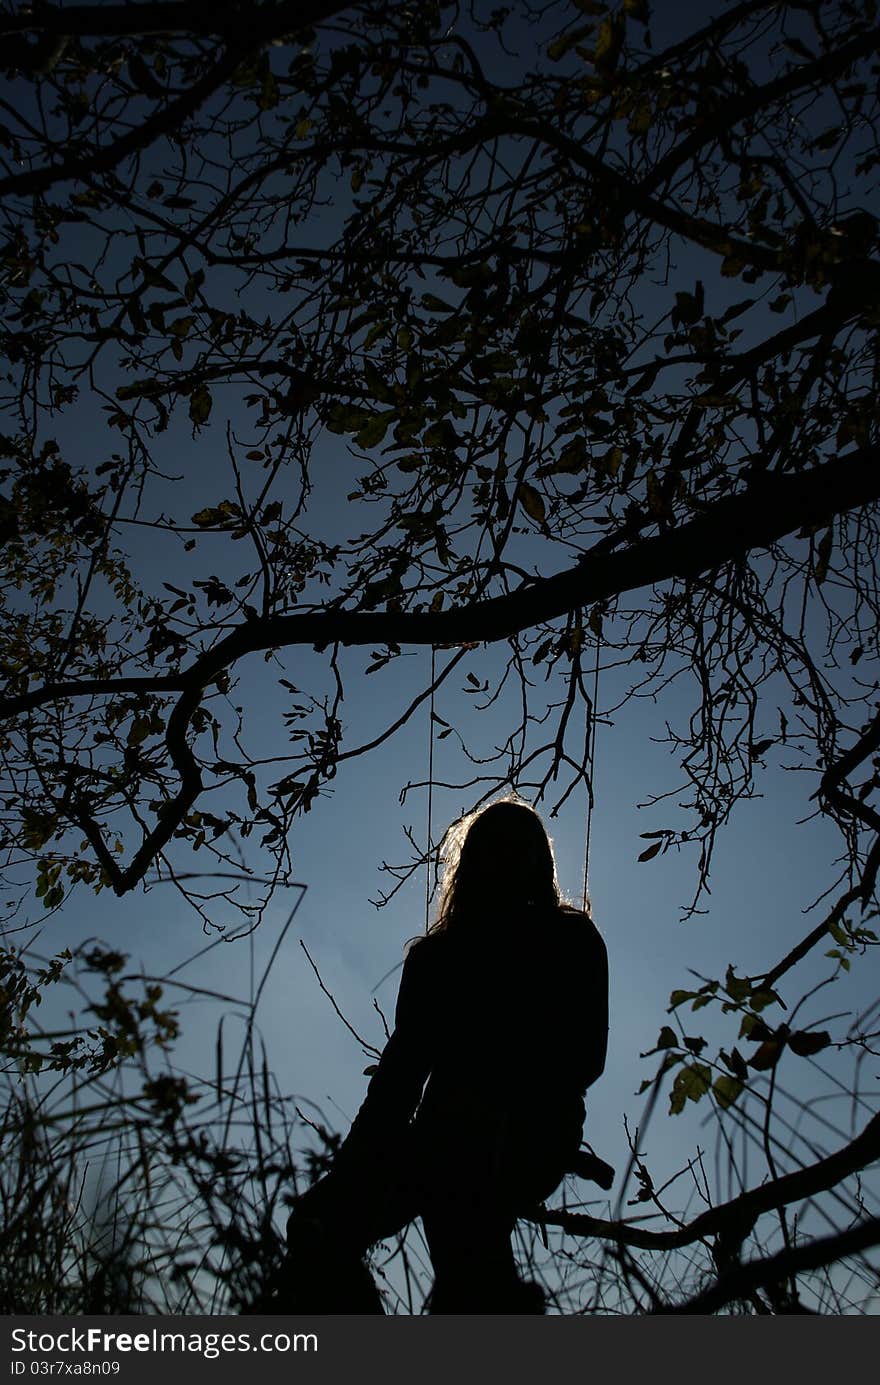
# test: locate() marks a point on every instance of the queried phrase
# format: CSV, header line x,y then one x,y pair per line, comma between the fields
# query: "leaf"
x,y
137,389
737,1063
432,304
532,502
827,139
666,1040
807,1042
37,829
371,433
345,418
154,280
690,1084
377,330
269,93
839,957
767,1055
651,851
759,1000
193,284
735,310
609,42
726,1089
656,503
737,987
823,556
646,379
612,460
142,77
214,514
679,997
376,384
200,403
754,1029
139,730
688,306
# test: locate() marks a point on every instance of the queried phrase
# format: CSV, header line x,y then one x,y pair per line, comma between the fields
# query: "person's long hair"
x,y
498,863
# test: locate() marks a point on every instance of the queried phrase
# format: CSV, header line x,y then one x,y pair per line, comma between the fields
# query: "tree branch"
x,y
736,1218
741,1280
167,118
824,69
173,16
771,508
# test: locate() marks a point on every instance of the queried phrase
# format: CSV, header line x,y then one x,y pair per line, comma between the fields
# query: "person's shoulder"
x,y
573,917
425,949
577,923
424,970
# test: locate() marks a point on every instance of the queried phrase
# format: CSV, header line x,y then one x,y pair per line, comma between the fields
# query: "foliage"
x,y
125,1187
580,314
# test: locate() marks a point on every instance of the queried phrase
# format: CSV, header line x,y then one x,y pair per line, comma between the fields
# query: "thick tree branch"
x,y
772,507
173,17
165,119
823,70
734,1219
740,1281
635,198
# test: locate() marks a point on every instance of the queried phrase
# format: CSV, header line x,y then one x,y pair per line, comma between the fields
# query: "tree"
x,y
413,256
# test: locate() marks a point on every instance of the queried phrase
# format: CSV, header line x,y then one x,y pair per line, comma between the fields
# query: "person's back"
x,y
515,1022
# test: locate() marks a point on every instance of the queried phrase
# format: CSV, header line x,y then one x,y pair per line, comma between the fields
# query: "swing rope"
x,y
589,762
590,759
430,844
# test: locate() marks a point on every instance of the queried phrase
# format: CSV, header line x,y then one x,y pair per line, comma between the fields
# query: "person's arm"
x,y
596,1045
396,1086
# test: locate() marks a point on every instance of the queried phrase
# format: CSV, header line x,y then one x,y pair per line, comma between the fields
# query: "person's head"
x,y
497,860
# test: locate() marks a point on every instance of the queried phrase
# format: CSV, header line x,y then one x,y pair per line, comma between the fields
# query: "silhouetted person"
x,y
475,1111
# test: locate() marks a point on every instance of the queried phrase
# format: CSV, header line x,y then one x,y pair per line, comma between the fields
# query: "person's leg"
x,y
472,1256
330,1229
324,1272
